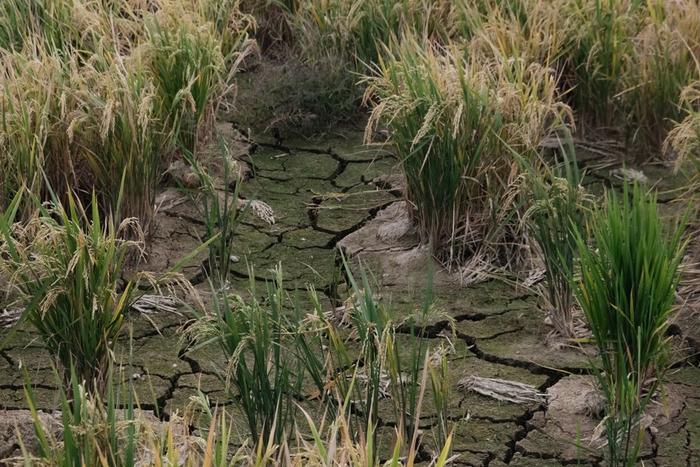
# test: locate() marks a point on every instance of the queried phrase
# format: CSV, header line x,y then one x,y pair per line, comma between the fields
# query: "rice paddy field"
x,y
349,232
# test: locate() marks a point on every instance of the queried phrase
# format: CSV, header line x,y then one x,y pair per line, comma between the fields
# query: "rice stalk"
x,y
220,210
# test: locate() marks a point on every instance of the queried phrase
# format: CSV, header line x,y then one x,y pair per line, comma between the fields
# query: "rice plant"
x,y
556,219
67,264
684,139
452,119
374,329
86,125
365,376
663,64
388,368
601,45
187,65
438,367
627,291
38,111
347,447
115,431
408,371
220,211
128,138
253,336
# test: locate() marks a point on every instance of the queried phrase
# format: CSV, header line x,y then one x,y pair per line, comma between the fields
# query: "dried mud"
x,y
340,194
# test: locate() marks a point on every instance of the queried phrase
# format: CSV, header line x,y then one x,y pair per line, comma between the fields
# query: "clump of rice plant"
x,y
556,220
663,64
360,30
229,22
67,264
626,62
21,23
39,117
452,119
684,138
187,66
352,368
15,24
92,428
253,337
113,429
86,126
601,33
94,92
627,290
341,40
126,131
70,28
532,30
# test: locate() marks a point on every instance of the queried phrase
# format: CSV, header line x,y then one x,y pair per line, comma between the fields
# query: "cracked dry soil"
x,y
338,195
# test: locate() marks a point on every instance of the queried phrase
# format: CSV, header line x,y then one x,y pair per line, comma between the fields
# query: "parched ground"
x,y
339,193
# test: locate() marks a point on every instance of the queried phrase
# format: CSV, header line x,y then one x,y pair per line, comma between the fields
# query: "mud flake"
x,y
686,375
521,335
306,238
306,164
248,240
365,172
269,159
44,397
158,355
477,440
347,210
